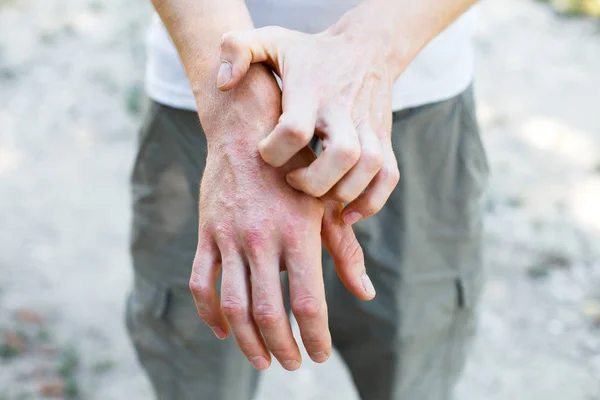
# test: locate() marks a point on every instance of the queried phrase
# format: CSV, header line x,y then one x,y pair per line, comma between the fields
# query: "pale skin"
x,y
266,201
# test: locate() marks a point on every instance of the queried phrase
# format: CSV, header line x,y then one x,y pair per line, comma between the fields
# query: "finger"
x,y
307,296
267,299
346,252
239,49
205,272
269,312
296,126
359,177
379,190
341,151
235,303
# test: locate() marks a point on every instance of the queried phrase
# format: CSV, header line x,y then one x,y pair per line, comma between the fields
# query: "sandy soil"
x,y
69,87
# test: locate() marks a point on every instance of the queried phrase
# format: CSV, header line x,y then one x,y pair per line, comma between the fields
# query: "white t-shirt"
x,y
442,70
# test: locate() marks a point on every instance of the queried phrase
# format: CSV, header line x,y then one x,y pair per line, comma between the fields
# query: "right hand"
x,y
252,224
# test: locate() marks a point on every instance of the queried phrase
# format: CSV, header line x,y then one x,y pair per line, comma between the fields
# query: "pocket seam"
x,y
474,134
147,126
152,305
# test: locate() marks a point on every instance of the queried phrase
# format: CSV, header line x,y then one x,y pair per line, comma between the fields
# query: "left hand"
x,y
337,86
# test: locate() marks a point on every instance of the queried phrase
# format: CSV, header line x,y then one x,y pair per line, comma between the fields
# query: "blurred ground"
x,y
69,110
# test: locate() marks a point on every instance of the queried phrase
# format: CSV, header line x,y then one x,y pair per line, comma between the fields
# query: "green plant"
x,y
68,363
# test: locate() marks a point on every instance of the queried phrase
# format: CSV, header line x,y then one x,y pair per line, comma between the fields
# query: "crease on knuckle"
x,y
306,307
348,153
316,343
255,240
292,230
282,352
313,184
247,347
394,175
390,174
316,189
267,315
372,159
352,249
297,133
234,309
230,41
343,195
371,207
199,288
223,234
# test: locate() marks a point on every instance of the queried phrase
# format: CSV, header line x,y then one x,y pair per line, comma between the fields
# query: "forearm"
x,y
405,26
196,27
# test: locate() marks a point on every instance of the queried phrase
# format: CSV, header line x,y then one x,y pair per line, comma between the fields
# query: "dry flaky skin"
x,y
251,221
66,142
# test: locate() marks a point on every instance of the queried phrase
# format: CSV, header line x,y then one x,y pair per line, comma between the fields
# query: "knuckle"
x,y
267,315
297,133
314,343
317,191
314,184
372,159
395,176
306,307
198,288
351,247
282,351
246,346
291,230
348,153
223,233
343,196
234,309
229,40
316,188
254,236
255,239
391,175
371,207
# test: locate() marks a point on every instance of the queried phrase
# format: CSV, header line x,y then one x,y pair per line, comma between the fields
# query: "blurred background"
x,y
70,105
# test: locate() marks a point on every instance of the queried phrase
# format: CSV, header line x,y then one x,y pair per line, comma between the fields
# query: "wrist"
x,y
245,114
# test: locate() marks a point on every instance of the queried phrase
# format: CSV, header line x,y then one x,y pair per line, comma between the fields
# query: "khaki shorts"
x,y
423,253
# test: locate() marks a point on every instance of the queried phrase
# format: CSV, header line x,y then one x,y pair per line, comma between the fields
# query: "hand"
x,y
338,87
252,224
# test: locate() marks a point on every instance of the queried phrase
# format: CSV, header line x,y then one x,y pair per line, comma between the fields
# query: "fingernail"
x,y
290,365
224,75
220,333
352,217
367,284
259,362
319,356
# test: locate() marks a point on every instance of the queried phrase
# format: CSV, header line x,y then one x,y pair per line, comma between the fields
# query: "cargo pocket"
x,y
438,323
146,310
474,172
463,328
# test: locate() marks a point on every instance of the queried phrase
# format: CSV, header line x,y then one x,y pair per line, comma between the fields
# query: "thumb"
x,y
239,49
348,256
